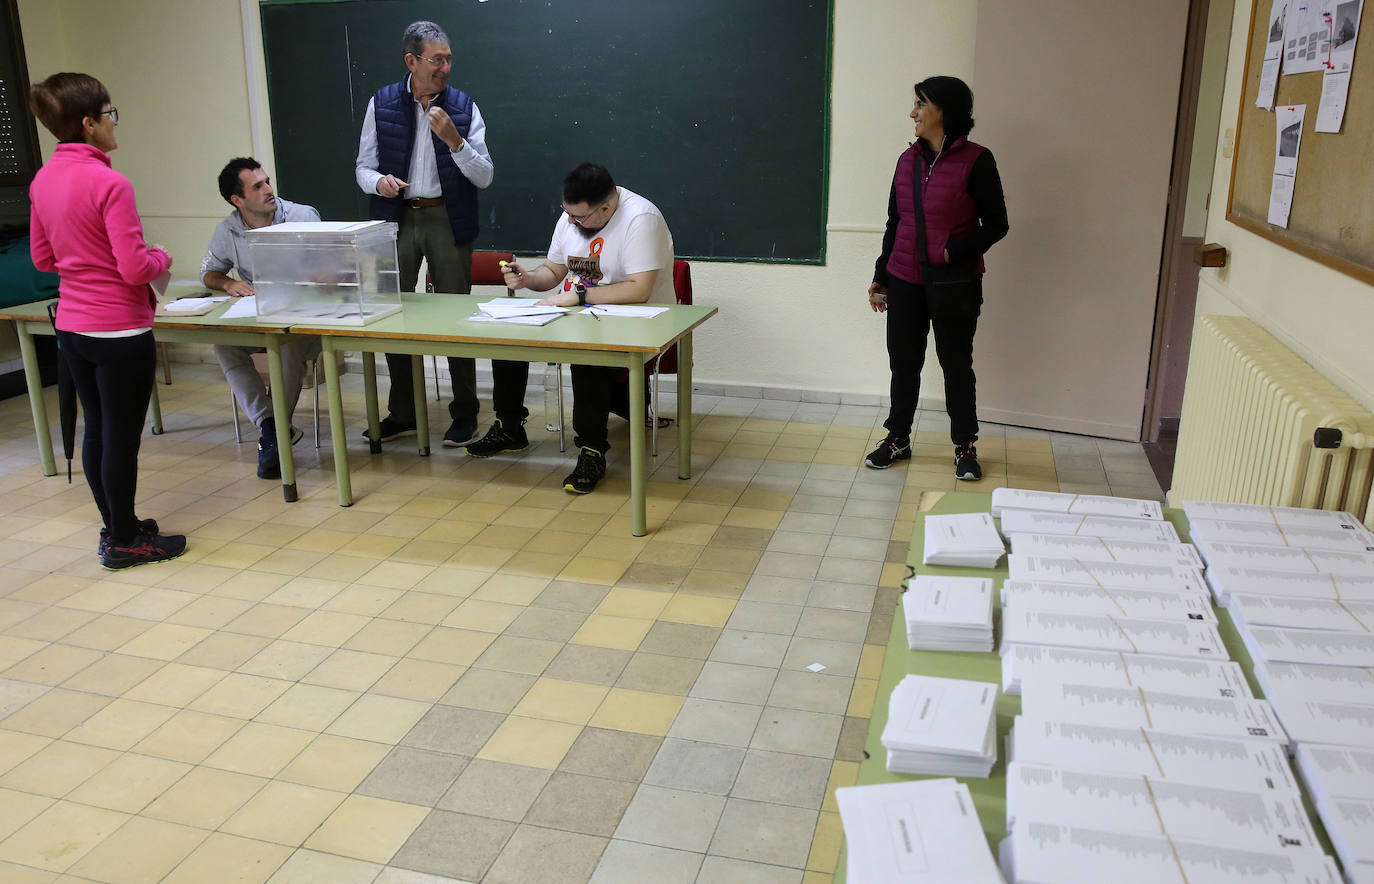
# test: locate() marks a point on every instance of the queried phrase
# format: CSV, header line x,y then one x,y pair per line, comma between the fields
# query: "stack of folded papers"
x,y
1107,527
968,540
1341,783
923,832
1111,669
1075,504
949,613
941,726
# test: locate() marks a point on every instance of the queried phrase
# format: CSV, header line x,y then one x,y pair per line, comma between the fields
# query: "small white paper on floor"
x,y
815,667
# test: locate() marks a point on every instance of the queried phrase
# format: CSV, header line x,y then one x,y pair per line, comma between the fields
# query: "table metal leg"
x,y
336,416
417,372
155,406
684,407
282,418
374,418
638,456
36,403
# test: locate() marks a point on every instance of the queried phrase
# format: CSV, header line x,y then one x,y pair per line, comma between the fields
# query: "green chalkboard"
x,y
716,110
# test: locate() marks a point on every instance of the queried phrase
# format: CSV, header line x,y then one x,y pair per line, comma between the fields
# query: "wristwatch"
x,y
581,294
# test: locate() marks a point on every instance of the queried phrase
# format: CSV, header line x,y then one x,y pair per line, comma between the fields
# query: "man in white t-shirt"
x,y
611,246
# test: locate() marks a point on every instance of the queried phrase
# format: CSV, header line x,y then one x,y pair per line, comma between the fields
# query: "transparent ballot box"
x,y
331,272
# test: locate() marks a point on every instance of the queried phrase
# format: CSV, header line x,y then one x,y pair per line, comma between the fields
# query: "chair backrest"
x,y
486,267
682,289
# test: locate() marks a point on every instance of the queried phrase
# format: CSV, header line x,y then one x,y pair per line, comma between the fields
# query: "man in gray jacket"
x,y
244,185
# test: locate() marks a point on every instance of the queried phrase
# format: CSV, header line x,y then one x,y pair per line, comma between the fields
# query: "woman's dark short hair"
x,y
63,100
588,183
230,184
954,99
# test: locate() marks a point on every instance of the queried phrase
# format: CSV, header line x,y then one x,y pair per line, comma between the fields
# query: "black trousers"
x,y
908,324
114,380
598,392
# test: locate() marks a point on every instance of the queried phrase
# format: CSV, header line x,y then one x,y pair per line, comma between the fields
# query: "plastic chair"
x,y
486,270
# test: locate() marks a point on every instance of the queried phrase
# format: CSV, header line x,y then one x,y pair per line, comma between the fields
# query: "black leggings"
x,y
114,380
908,324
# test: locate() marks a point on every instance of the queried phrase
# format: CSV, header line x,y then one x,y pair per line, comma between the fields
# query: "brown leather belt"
x,y
425,202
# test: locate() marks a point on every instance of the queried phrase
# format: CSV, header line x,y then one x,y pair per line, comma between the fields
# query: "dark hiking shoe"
x,y
500,438
143,550
145,526
391,429
590,469
890,450
966,463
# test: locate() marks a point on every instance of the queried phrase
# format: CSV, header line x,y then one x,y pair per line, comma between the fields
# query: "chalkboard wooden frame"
x,y
1332,218
718,112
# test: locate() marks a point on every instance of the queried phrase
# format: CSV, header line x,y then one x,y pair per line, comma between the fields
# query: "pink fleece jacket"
x,y
85,226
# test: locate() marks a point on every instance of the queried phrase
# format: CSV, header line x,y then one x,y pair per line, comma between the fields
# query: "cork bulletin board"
x,y
1332,219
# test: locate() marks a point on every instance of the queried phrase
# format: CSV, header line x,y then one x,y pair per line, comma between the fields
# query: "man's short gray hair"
x,y
419,33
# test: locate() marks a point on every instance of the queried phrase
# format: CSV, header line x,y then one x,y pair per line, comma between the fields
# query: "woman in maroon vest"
x,y
963,214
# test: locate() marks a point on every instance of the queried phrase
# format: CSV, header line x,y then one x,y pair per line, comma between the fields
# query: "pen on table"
x,y
592,310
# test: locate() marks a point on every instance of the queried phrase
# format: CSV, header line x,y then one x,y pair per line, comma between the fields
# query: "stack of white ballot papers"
x,y
1136,576
1345,538
923,832
1225,579
1100,549
1341,783
1046,852
948,613
1234,764
1104,632
1232,719
519,311
968,540
1325,648
1339,684
1325,722
1301,613
1150,805
1074,504
1286,558
1114,601
941,726
1107,527
1205,678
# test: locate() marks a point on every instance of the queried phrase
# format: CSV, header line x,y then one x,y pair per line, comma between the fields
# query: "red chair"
x,y
486,270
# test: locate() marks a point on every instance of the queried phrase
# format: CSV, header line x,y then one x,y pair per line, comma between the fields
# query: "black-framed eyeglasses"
x,y
113,112
578,219
436,61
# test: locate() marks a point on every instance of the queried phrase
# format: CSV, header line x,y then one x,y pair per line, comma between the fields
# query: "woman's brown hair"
x,y
63,100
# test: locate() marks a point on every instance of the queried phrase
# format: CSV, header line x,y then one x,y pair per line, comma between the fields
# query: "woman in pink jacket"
x,y
85,226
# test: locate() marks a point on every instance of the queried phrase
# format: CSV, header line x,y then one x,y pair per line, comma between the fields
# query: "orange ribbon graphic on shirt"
x,y
596,247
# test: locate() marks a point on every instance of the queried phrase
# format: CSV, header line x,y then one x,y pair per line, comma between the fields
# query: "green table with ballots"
x,y
989,795
428,324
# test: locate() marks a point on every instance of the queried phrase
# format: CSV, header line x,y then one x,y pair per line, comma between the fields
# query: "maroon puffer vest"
x,y
949,210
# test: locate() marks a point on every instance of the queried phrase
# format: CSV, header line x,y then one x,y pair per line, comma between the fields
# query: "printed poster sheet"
x,y
1273,55
1306,37
1345,27
1287,141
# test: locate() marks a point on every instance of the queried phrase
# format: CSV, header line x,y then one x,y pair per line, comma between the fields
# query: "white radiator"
x,y
1260,425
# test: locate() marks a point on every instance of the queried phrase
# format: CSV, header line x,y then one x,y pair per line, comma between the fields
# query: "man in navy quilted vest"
x,y
422,158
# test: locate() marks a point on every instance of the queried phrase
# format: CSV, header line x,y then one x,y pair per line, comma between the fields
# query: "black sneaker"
x,y
499,438
145,526
966,462
461,432
269,462
391,429
590,469
145,549
891,449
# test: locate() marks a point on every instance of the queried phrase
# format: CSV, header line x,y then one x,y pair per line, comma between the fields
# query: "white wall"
x,y
1324,316
175,69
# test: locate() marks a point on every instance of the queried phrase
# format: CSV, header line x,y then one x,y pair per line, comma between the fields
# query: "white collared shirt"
x,y
473,159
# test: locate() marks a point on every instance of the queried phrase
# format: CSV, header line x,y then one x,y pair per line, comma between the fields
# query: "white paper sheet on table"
x,y
636,311
1339,684
1204,678
243,307
1345,27
191,305
1099,549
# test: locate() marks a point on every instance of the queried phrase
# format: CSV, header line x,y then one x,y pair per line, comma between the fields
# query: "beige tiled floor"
x,y
468,675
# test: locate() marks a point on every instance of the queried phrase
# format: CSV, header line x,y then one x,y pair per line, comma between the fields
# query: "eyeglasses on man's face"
x,y
436,61
578,219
